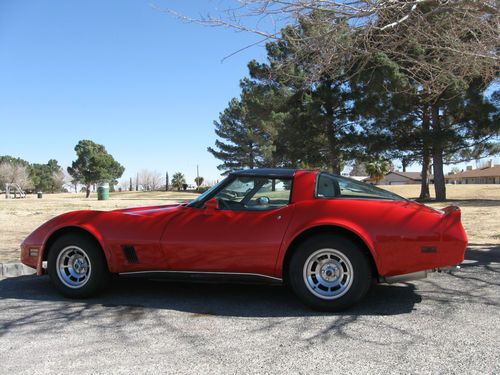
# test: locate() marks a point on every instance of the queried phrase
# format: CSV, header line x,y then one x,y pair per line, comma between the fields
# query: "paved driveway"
x,y
446,323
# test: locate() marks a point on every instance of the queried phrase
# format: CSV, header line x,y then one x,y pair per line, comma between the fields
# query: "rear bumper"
x,y
440,243
416,275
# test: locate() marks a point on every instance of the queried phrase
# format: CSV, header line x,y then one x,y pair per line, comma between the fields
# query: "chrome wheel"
x,y
73,267
328,273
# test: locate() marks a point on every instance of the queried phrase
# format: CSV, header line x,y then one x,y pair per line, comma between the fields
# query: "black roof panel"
x,y
267,172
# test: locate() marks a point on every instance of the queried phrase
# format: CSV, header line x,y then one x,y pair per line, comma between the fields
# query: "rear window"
x,y
332,186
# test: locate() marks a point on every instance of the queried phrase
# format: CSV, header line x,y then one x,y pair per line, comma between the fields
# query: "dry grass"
x,y
480,211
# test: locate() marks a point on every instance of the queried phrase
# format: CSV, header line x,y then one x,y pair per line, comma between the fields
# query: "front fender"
x,y
42,237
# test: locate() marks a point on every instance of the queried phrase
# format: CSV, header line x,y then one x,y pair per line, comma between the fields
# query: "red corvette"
x,y
325,236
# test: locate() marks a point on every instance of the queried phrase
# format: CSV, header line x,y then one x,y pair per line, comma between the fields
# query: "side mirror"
x,y
212,204
263,201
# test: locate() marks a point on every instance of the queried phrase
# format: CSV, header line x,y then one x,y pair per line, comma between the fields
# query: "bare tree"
x,y
59,179
124,185
150,180
14,173
460,37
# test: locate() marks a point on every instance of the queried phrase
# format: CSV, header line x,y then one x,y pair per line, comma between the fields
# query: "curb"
x,y
15,269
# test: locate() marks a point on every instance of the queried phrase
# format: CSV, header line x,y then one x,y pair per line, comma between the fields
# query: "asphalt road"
x,y
444,324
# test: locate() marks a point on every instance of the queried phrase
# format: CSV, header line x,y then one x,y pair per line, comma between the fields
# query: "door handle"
x,y
279,217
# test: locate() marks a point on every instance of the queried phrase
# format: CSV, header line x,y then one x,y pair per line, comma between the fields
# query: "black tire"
x,y
347,259
92,281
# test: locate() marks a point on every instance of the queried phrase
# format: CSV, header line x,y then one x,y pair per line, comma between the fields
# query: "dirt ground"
x,y
480,206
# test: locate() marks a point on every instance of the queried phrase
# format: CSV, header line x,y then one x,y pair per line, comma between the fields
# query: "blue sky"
x,y
121,73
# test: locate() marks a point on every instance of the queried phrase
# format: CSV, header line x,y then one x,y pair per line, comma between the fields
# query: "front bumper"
x,y
31,256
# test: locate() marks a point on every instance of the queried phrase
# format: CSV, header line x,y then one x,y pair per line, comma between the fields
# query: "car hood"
x,y
151,210
89,219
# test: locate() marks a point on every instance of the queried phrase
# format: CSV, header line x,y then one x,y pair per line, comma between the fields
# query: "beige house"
x,y
400,178
488,175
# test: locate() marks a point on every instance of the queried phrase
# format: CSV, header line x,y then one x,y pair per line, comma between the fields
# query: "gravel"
x,y
443,324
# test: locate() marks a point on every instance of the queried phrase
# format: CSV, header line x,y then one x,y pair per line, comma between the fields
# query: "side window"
x,y
330,186
327,187
274,193
255,193
231,197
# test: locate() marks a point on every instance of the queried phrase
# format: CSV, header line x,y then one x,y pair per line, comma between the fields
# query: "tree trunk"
x,y
404,164
87,188
439,181
424,186
335,160
437,156
251,157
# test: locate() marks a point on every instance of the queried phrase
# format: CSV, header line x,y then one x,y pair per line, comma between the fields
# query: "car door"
x,y
243,234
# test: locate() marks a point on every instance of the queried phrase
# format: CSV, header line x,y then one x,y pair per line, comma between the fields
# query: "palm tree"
x,y
178,180
198,181
377,169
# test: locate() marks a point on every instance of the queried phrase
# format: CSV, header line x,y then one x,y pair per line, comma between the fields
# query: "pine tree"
x,y
240,149
279,122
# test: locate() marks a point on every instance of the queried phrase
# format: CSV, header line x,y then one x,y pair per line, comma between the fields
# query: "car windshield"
x,y
332,186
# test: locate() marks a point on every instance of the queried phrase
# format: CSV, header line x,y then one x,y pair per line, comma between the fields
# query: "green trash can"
x,y
103,192
39,195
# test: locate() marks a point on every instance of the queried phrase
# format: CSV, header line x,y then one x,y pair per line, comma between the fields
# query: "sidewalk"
x,y
14,270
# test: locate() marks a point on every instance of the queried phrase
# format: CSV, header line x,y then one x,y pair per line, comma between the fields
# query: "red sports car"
x,y
325,236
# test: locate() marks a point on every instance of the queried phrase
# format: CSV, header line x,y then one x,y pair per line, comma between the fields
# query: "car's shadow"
x,y
212,299
235,299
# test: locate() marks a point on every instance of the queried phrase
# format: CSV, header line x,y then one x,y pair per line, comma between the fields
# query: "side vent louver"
x,y
130,254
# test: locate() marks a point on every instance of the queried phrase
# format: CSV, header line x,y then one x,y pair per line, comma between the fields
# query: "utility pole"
x,y
166,181
197,181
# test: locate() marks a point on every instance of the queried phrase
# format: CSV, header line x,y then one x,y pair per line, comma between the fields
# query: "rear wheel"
x,y
329,273
77,267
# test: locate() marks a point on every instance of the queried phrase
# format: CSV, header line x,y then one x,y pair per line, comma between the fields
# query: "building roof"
x,y
417,176
484,172
414,176
268,172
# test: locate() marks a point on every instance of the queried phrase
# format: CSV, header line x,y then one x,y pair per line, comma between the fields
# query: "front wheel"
x,y
329,273
77,267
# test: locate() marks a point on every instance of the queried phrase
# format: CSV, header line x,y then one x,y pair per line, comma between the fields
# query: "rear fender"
x,y
291,239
